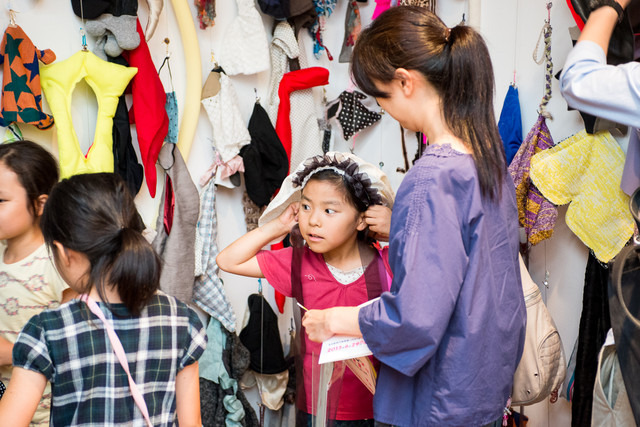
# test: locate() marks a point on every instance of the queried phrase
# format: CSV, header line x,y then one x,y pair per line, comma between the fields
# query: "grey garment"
x,y
177,249
121,31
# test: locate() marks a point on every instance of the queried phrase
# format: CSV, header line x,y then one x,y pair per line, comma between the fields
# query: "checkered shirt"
x,y
208,289
89,386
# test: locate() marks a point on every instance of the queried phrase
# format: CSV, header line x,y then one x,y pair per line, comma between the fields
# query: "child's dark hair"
x,y
94,214
345,176
36,168
455,61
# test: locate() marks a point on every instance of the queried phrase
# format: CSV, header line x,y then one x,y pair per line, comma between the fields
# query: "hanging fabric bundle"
x,y
535,213
351,113
206,11
352,28
324,9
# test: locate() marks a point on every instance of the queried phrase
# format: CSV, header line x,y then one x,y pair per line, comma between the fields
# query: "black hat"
x,y
263,328
91,9
265,162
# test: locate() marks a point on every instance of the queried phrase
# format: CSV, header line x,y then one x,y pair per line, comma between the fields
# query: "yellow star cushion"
x,y
585,170
108,81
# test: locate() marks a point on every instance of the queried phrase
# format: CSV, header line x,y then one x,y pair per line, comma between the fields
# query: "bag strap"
x,y
387,269
618,268
120,354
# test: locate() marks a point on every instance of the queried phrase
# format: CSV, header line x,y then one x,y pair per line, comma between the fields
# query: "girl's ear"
x,y
62,256
361,223
42,199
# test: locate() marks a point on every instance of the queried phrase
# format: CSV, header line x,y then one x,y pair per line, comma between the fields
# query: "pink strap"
x,y
119,352
387,270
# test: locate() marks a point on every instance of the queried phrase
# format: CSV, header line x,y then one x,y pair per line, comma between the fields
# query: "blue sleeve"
x,y
590,85
427,255
31,351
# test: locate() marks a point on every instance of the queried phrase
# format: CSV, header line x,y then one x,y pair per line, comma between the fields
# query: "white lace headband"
x,y
320,169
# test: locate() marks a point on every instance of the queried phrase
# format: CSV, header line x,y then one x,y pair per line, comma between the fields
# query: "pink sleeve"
x,y
276,267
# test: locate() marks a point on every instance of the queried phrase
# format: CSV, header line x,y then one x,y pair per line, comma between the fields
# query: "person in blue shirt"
x,y
450,333
609,91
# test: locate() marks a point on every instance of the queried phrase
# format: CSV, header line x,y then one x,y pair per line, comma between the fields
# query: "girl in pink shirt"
x,y
328,205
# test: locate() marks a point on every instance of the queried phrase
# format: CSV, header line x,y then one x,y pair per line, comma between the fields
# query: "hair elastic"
x,y
448,33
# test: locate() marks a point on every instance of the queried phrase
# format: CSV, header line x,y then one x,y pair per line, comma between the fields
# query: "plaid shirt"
x,y
89,386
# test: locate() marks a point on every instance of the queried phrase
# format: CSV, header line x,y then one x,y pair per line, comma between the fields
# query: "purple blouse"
x,y
451,331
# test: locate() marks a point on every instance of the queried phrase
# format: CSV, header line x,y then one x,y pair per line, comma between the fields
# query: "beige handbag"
x,y
611,406
542,367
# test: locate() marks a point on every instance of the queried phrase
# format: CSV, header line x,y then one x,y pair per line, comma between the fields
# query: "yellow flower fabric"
x,y
585,171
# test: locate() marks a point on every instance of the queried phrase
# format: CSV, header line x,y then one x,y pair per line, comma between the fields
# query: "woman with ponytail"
x,y
450,333
123,353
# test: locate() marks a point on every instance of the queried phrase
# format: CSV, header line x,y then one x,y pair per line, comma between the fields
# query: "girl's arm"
x,y
188,396
20,401
240,256
6,351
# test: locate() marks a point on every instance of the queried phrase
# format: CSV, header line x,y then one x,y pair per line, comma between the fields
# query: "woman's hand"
x,y
378,218
316,324
323,324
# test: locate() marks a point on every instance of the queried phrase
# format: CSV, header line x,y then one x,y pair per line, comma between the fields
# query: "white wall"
x,y
511,29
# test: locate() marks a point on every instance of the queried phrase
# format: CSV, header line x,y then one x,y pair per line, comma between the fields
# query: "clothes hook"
x,y
260,286
166,41
257,97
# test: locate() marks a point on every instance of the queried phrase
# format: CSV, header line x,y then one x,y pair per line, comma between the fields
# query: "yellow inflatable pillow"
x,y
585,170
108,81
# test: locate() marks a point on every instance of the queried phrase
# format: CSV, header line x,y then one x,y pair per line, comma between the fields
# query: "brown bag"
x,y
542,367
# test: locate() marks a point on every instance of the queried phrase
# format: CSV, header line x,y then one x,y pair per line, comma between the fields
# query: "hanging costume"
x,y
352,115
222,402
265,160
229,130
284,50
535,213
108,81
177,247
244,48
352,28
510,123
585,170
148,110
209,293
21,91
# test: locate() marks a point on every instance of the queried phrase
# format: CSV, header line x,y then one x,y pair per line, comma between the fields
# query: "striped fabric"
x,y
70,347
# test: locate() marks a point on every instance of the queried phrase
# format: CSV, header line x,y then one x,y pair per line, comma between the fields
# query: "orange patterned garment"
x,y
21,91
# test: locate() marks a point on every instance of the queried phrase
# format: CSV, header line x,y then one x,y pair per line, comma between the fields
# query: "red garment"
x,y
148,111
292,81
320,291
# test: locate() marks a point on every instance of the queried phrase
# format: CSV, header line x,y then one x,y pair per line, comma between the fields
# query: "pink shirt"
x,y
321,290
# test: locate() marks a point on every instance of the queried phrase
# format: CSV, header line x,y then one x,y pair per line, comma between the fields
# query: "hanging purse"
x,y
120,354
542,367
624,308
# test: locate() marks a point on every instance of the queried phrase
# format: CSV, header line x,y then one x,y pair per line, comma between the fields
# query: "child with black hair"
x,y
124,352
29,282
323,204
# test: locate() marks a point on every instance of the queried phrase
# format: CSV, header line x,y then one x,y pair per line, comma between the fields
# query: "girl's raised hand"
x,y
289,217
